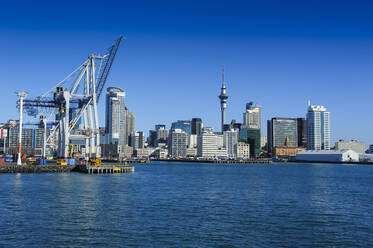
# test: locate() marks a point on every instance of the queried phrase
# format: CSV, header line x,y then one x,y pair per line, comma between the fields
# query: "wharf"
x,y
106,168
50,168
250,161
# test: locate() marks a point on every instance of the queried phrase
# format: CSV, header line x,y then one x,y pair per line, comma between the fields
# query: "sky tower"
x,y
223,101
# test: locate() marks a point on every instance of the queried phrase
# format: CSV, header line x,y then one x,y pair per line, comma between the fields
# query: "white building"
x,y
178,143
263,142
243,150
328,156
115,127
192,142
137,140
318,128
210,145
230,139
160,153
354,145
252,116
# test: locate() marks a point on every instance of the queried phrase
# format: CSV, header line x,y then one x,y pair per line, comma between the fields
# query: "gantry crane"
x,y
69,104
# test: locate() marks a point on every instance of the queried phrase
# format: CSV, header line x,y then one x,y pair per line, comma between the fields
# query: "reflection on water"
x,y
191,205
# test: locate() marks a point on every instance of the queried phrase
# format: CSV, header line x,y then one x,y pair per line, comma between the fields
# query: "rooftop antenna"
x,y
309,102
223,84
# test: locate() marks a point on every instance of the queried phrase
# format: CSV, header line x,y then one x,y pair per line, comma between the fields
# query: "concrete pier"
x,y
106,169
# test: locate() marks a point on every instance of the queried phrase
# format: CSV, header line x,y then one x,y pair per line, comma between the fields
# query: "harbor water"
x,y
166,204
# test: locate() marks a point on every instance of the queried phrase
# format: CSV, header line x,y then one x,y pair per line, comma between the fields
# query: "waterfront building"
x,y
354,145
192,142
184,125
252,137
223,101
263,142
318,128
371,149
242,150
252,116
328,156
178,143
115,128
32,140
191,152
230,141
130,126
281,132
285,151
126,152
210,145
141,153
302,132
160,153
197,126
137,140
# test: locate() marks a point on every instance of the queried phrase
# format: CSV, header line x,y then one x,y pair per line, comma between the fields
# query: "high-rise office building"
x,y
115,128
197,126
251,136
230,142
302,132
137,140
178,143
252,117
130,126
282,132
184,125
318,128
223,101
162,135
210,144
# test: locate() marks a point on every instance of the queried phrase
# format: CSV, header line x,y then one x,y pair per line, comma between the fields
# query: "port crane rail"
x,y
72,103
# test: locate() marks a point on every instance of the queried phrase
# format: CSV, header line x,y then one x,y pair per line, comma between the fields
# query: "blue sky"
x,y
276,53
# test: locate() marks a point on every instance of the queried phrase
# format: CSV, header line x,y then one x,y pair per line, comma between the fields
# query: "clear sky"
x,y
276,53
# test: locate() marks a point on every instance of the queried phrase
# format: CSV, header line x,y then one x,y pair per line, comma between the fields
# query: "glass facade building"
x,y
186,126
115,128
318,128
197,126
251,136
282,132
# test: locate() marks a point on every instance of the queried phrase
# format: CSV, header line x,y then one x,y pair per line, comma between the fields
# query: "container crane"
x,y
82,96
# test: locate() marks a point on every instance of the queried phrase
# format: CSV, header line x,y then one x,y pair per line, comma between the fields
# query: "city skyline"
x,y
280,67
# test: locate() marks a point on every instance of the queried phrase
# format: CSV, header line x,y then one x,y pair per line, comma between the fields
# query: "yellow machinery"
x,y
61,161
95,161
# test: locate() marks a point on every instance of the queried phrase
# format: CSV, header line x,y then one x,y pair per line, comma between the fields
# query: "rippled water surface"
x,y
191,205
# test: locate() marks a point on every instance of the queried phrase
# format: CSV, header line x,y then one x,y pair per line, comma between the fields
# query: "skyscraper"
x,y
184,125
282,132
318,128
251,136
252,116
115,128
302,132
230,142
130,126
197,126
223,101
178,142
